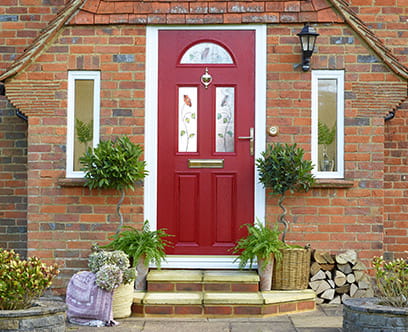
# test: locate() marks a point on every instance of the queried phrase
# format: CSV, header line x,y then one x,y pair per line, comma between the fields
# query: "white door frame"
x,y
151,149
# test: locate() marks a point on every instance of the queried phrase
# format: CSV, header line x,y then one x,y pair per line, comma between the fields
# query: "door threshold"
x,y
201,262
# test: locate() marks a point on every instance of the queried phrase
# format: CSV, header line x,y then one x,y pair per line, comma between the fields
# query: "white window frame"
x,y
72,77
339,76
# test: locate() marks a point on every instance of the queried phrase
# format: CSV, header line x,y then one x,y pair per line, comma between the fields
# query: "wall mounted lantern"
x,y
307,37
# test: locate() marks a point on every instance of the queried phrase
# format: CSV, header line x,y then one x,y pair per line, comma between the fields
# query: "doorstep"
x,y
201,293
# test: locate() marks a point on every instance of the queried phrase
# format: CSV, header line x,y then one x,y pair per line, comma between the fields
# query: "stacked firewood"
x,y
335,278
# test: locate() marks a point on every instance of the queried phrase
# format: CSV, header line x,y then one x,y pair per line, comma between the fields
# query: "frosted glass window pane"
x,y
224,125
203,53
187,140
84,97
327,126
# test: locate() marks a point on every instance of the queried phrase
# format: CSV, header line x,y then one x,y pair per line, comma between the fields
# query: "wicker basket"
x,y
293,271
122,300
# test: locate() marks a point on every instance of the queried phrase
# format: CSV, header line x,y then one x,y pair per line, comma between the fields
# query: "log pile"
x,y
335,278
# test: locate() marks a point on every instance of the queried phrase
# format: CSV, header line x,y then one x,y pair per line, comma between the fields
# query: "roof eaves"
x,y
370,38
42,40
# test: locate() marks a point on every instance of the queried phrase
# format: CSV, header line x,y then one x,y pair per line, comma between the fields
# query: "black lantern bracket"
x,y
307,37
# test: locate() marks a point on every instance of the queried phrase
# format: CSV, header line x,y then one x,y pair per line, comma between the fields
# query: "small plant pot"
x,y
142,270
265,274
366,314
122,300
44,315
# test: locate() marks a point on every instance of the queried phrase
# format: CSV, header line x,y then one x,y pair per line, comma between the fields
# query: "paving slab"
x,y
173,298
230,276
288,296
316,321
233,298
183,326
175,275
262,327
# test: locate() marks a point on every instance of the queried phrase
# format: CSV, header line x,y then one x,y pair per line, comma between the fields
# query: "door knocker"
x,y
206,78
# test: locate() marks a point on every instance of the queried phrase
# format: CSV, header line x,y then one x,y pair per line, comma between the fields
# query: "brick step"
x,y
222,304
202,281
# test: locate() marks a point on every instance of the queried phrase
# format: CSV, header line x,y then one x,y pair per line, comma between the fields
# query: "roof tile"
x,y
84,17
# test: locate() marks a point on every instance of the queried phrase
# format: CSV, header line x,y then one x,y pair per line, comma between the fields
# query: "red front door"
x,y
205,138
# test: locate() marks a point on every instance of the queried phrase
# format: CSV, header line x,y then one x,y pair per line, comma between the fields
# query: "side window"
x,y
328,123
83,117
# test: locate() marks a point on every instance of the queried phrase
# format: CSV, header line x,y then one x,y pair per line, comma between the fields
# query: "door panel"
x,y
205,172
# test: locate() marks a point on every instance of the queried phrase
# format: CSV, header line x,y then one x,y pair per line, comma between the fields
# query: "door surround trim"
x,y
151,132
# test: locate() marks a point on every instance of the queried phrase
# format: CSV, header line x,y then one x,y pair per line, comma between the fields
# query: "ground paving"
x,y
326,318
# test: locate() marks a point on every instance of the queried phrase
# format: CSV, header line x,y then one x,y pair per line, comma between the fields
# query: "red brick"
x,y
309,305
137,309
287,307
271,309
248,310
245,288
188,310
218,310
159,310
195,287
160,287
217,287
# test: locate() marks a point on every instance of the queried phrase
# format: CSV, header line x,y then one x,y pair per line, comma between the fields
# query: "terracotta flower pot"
x,y
142,270
265,274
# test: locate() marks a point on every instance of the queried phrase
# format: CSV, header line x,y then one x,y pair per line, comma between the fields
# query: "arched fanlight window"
x,y
205,53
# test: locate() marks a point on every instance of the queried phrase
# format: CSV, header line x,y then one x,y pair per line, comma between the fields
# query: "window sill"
x,y
71,182
333,183
80,182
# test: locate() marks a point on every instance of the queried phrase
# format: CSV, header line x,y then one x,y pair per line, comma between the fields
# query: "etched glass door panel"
x,y
224,126
206,53
187,139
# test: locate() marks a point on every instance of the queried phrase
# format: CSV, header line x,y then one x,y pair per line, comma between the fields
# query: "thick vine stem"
x,y
282,218
118,205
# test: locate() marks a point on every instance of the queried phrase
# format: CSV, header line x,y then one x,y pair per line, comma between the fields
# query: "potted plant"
x,y
283,169
262,244
389,309
114,165
22,283
113,273
326,137
143,247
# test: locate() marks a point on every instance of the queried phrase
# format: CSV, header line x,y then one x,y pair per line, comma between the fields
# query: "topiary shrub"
x,y
114,165
282,168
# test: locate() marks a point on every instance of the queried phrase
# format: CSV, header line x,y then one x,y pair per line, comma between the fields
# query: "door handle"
x,y
251,139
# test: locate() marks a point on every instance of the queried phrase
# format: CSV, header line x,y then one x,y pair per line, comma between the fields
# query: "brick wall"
x,y
64,221
20,23
13,179
389,20
396,185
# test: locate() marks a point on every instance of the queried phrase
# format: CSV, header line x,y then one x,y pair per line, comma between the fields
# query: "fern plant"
x,y
261,242
138,243
84,131
325,134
